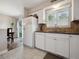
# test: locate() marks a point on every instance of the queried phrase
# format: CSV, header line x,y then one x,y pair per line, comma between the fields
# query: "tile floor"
x,y
23,52
13,54
30,53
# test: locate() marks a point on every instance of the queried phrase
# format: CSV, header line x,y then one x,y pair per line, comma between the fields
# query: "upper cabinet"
x,y
75,9
40,15
74,47
40,40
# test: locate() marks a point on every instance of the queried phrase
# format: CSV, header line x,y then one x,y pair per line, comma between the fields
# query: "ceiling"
x,y
16,7
11,7
33,3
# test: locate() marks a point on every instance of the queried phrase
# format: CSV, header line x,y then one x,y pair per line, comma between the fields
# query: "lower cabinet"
x,y
60,44
74,47
39,40
50,44
62,47
56,44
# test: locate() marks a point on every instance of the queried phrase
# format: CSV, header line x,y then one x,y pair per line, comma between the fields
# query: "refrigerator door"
x,y
29,28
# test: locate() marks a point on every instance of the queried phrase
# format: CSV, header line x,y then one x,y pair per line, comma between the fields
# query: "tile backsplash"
x,y
74,28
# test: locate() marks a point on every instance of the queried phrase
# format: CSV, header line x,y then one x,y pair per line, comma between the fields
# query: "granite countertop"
x,y
61,32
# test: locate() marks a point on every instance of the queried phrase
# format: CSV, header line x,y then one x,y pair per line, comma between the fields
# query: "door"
x,y
28,40
50,42
62,47
74,47
39,40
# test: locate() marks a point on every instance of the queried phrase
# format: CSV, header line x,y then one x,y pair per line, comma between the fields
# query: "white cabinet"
x,y
54,43
62,47
60,44
50,43
75,9
57,44
74,47
40,15
39,40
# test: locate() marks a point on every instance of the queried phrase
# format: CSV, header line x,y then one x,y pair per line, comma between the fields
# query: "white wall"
x,y
3,40
11,7
5,21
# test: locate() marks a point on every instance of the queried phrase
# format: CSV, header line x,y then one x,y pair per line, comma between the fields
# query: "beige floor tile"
x,y
32,53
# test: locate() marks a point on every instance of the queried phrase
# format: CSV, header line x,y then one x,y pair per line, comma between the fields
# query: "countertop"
x,y
60,32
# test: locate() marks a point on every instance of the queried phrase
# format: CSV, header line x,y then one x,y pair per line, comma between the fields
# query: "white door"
x,y
30,26
28,35
62,47
50,44
39,40
74,47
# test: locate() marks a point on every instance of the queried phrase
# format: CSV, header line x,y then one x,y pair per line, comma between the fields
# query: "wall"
x,y
3,40
5,21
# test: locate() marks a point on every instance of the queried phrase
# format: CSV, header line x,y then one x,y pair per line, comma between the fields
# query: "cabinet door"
x,y
74,47
39,40
75,9
62,47
50,43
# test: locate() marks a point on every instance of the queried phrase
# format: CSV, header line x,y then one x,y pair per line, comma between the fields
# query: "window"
x,y
58,18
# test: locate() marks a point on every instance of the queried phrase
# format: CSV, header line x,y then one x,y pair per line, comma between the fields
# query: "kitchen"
x,y
39,29
58,28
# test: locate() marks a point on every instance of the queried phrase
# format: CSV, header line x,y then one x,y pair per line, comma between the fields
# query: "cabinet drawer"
x,y
57,35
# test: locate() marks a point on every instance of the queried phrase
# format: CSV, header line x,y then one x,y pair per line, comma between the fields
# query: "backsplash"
x,y
73,29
